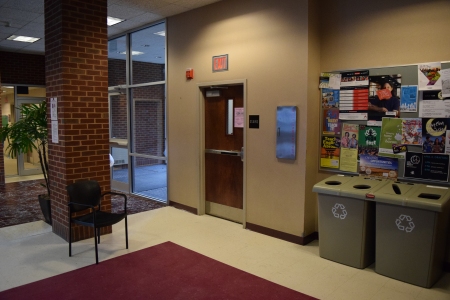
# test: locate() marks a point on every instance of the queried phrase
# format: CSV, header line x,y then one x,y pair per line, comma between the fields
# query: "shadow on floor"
x,y
19,203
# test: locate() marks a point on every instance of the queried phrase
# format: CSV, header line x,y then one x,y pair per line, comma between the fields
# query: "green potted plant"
x,y
27,134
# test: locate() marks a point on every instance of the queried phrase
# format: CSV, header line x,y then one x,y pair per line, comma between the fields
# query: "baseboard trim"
x,y
183,207
282,235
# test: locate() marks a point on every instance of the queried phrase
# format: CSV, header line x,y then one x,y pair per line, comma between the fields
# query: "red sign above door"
x,y
220,63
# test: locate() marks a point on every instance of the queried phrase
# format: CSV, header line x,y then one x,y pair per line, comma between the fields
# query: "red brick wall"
x,y
77,74
19,68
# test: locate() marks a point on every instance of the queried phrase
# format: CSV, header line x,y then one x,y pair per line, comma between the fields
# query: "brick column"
x,y
77,74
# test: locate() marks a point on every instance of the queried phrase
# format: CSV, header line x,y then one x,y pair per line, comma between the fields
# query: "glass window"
x,y
117,68
148,54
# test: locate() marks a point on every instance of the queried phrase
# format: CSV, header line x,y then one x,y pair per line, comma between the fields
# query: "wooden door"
x,y
223,163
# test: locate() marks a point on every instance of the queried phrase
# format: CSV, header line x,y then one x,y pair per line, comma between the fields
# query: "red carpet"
x,y
165,271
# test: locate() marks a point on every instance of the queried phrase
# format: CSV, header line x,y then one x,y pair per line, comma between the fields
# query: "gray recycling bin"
x,y
347,220
411,224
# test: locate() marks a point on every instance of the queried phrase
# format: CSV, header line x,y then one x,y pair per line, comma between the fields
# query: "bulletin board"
x,y
414,157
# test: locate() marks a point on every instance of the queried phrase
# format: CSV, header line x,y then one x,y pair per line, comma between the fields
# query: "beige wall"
x,y
360,34
363,34
267,44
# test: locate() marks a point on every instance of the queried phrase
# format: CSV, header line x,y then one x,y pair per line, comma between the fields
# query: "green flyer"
x,y
391,134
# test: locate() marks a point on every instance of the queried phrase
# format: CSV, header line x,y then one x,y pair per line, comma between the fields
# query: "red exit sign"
x,y
220,63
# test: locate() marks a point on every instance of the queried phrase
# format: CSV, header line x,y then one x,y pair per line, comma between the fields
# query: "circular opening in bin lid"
x,y
362,186
333,182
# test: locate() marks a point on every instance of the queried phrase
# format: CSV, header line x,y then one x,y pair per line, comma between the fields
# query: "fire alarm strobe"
x,y
189,73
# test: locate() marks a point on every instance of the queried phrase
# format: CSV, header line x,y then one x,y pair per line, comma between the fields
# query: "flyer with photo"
x,y
384,96
378,167
349,147
434,132
330,98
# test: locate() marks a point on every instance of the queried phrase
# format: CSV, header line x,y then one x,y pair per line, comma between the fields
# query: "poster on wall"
x,y
434,109
369,140
429,76
378,167
408,98
330,150
413,165
434,131
331,123
354,95
349,147
384,96
391,134
435,167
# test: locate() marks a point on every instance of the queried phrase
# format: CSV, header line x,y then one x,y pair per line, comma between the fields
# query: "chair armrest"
x,y
118,194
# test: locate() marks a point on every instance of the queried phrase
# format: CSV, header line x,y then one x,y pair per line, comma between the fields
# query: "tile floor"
x,y
31,252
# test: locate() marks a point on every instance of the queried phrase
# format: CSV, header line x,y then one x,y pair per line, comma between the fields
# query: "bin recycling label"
x,y
405,223
339,211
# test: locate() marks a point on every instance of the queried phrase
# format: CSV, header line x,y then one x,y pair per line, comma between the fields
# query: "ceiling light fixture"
x,y
161,33
21,38
113,21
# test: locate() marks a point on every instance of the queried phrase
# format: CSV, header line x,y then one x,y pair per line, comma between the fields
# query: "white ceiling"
x,y
26,17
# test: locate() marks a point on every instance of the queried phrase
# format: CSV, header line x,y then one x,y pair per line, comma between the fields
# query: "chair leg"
x,y
96,248
126,231
70,237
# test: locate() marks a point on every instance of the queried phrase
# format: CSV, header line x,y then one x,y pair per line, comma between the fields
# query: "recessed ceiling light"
x,y
20,38
161,33
113,21
132,52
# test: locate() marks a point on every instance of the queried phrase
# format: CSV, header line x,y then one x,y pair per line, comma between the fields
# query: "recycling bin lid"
x,y
393,192
360,187
332,185
428,197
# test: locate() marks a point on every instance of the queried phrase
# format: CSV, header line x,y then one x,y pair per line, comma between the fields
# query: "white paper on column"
x,y
55,138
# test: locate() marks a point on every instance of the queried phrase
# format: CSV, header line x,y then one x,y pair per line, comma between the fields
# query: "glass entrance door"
x,y
27,163
119,141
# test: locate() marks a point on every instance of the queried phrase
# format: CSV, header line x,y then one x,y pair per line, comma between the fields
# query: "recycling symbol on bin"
x,y
405,223
339,211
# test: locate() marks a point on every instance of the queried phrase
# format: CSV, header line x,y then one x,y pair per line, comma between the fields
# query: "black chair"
x,y
86,194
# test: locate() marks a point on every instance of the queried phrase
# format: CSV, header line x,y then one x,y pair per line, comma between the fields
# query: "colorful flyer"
x,y
413,165
378,167
329,156
429,76
435,167
330,98
391,134
349,147
411,131
369,140
331,123
408,98
434,131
